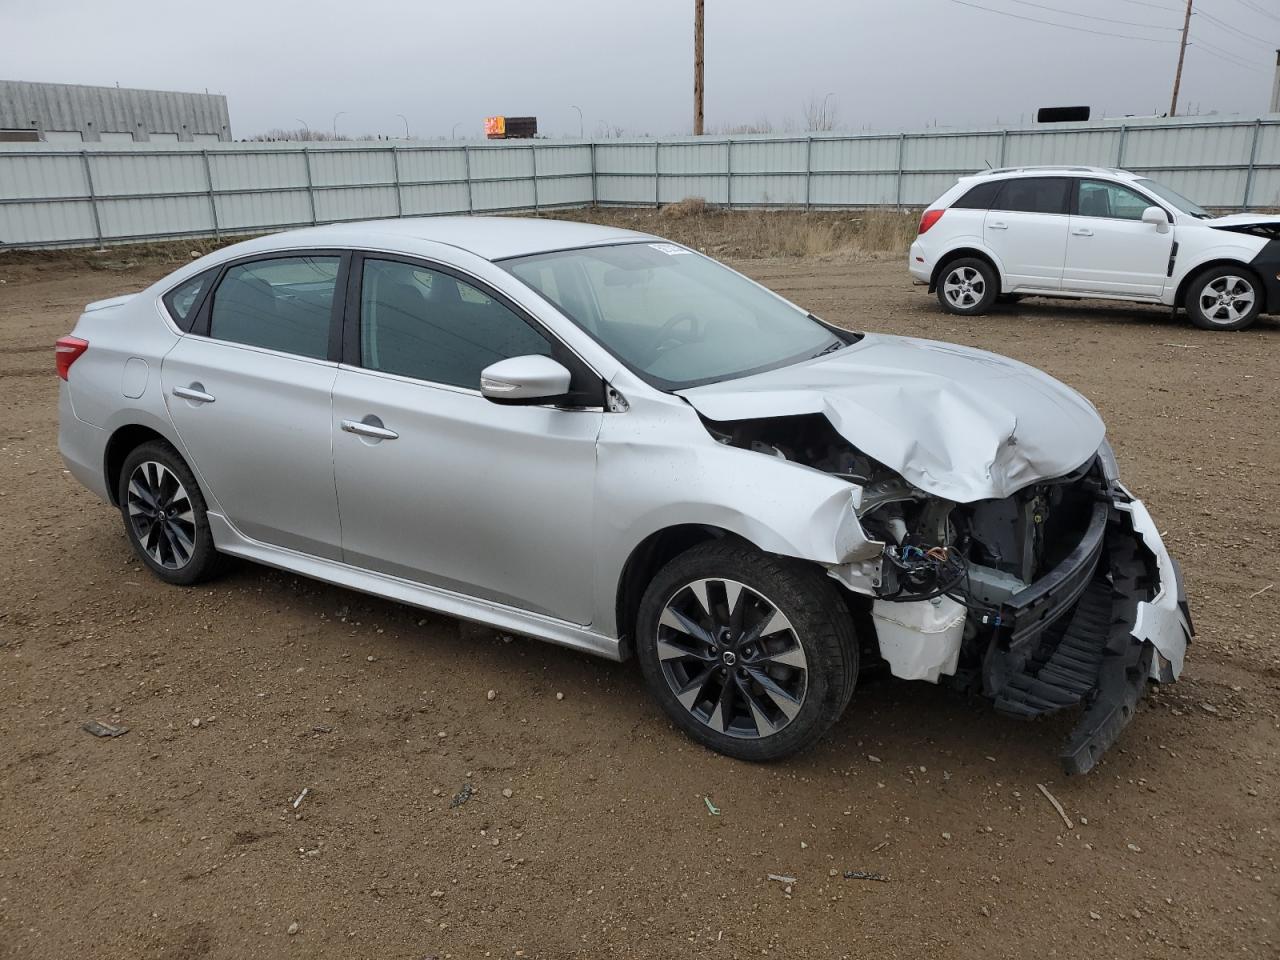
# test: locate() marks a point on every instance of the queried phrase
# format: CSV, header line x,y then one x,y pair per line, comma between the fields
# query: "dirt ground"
x,y
181,840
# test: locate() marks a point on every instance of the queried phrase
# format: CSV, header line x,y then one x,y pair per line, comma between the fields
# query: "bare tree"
x,y
820,115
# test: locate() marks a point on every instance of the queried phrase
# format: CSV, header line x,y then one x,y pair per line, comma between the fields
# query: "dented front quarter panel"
x,y
688,478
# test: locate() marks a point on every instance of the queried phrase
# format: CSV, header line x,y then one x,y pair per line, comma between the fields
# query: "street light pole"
x,y
305,129
453,134
406,125
579,109
335,123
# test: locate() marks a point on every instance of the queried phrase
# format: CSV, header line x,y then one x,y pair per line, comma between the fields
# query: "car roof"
x,y
1040,171
490,237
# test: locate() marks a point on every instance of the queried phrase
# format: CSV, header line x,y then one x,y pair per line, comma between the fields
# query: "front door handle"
x,y
369,427
997,225
1082,232
195,393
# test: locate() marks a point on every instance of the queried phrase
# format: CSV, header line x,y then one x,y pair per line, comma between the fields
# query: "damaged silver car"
x,y
609,441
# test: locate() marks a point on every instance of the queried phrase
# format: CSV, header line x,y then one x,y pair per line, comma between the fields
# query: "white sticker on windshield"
x,y
670,249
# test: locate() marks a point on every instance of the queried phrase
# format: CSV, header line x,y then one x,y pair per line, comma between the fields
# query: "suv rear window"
x,y
1034,195
980,197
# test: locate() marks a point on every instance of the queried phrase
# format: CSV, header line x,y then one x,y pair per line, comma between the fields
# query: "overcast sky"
x,y
889,64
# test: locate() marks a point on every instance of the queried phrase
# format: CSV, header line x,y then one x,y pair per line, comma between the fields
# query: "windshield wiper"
x,y
829,349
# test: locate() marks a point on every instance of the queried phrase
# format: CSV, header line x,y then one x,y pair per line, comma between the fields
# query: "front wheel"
x,y
968,286
1224,298
750,654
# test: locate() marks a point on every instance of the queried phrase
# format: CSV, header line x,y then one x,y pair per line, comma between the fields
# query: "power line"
x,y
1226,55
1254,7
1153,6
1062,26
1089,16
1223,25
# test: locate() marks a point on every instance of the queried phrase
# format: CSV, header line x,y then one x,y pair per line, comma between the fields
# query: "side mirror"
x,y
1157,218
524,380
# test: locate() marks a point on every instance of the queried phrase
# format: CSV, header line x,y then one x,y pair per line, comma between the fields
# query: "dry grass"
x,y
751,234
738,234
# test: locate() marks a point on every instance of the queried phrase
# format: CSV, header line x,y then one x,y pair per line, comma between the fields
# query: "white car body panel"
x,y
1031,247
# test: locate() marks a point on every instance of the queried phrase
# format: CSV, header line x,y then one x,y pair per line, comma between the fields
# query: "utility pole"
x,y
1275,91
697,67
1182,55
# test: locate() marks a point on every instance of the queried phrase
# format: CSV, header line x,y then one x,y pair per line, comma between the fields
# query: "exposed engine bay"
x,y
1033,599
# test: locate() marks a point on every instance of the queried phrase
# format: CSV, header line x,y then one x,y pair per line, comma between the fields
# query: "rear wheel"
x,y
165,517
1224,298
751,655
967,286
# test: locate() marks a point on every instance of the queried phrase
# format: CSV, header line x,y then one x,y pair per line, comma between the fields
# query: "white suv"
x,y
1090,232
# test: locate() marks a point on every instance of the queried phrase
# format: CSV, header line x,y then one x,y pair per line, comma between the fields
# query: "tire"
x,y
178,548
1224,298
967,286
809,659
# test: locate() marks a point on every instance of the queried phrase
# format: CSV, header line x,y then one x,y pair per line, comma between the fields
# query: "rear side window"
x,y
183,300
284,304
980,197
420,323
1034,195
1100,198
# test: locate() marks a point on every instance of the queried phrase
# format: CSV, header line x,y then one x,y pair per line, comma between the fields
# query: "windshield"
x,y
676,318
1175,198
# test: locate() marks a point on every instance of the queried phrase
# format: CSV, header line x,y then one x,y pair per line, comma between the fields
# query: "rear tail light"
x,y
929,218
67,351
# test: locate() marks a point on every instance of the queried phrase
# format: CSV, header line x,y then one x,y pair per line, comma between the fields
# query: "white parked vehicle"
x,y
1091,232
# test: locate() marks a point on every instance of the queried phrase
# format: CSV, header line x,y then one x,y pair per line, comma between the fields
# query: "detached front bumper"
x,y
1112,616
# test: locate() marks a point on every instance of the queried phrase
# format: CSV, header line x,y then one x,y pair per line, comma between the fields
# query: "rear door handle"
x,y
1082,232
364,429
195,393
998,225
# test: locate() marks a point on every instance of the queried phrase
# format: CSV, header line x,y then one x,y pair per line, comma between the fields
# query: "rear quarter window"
x,y
980,197
183,301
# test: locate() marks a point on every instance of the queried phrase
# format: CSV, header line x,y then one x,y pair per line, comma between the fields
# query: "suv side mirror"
x,y
1157,218
524,380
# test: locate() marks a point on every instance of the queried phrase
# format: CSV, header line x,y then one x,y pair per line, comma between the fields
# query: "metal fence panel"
x,y
263,211
34,177
257,170
51,195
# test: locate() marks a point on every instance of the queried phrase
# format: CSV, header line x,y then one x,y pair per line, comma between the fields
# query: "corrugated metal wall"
x,y
112,114
53,196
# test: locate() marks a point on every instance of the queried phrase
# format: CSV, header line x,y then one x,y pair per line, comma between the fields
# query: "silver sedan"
x,y
609,441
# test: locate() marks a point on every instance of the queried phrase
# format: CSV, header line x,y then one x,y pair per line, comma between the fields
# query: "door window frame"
x,y
587,387
1075,200
202,317
1069,200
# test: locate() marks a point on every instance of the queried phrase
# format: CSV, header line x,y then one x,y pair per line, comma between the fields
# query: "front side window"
x,y
676,318
1034,195
1101,198
420,323
285,304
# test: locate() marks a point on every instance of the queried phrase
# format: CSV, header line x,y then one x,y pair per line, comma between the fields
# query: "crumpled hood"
x,y
1243,220
956,422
